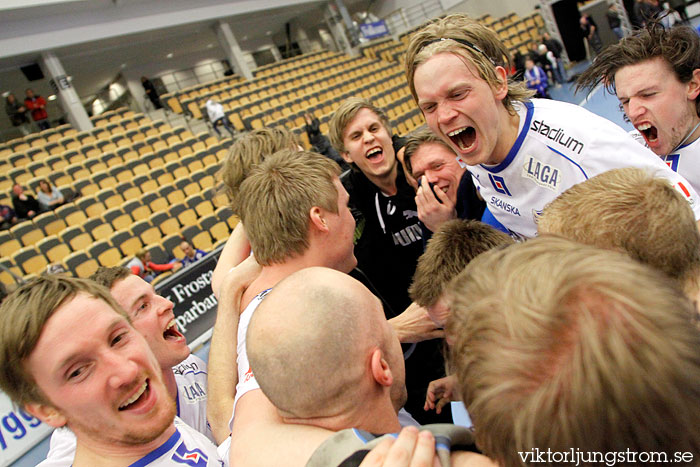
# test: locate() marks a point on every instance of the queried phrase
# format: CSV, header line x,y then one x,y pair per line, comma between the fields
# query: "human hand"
x,y
415,325
410,449
433,208
441,390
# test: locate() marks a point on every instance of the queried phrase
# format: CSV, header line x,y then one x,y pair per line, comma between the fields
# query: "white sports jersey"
x,y
246,379
684,160
558,146
191,379
186,447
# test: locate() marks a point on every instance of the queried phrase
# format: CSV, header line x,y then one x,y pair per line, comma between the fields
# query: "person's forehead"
x,y
364,116
78,320
126,291
432,151
450,62
643,74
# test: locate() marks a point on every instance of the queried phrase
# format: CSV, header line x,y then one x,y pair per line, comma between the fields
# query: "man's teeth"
x,y
644,126
456,132
133,398
374,151
171,324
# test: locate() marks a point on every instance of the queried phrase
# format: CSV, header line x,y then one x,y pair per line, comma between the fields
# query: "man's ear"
x,y
317,219
501,90
381,372
346,156
46,413
694,85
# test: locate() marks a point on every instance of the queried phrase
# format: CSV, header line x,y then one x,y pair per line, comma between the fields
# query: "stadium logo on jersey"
x,y
557,135
543,174
680,186
193,458
499,184
672,161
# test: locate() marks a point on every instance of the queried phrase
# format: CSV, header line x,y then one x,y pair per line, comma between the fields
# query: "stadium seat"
x,y
197,237
98,228
30,260
147,232
27,233
10,273
118,218
8,243
109,197
225,214
80,264
164,222
105,253
127,243
75,237
158,254
218,229
145,183
71,214
49,223
188,186
90,205
128,190
54,249
137,209
121,173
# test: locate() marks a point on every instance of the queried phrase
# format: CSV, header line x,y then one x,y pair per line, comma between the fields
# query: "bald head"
x,y
309,340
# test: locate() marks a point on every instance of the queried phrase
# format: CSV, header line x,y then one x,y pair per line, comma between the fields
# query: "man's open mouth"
x,y
649,132
463,138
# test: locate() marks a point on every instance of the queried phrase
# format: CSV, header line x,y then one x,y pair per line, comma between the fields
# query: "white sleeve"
x,y
61,449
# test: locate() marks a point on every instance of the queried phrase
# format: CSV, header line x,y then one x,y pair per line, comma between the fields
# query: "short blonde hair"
x,y
23,315
344,114
450,249
472,42
274,202
559,345
248,151
633,211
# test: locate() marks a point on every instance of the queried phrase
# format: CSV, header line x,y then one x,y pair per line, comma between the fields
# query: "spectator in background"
x,y
151,92
192,254
49,197
142,266
589,31
551,69
217,115
536,78
518,71
557,49
319,142
25,205
614,20
37,106
17,113
7,216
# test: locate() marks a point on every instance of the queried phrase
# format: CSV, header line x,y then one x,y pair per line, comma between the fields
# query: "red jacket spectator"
x,y
36,105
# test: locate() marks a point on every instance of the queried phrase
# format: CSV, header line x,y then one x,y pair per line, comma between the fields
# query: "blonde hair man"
x,y
632,211
389,235
564,349
523,153
70,357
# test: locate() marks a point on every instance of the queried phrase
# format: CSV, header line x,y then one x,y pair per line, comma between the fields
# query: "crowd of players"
x,y
582,342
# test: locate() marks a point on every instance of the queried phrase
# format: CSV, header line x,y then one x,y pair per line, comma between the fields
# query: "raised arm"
x,y
222,376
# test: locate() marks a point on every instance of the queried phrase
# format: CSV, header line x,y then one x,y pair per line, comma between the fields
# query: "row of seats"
x,y
159,234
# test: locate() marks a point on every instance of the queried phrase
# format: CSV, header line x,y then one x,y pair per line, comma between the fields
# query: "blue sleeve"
x,y
488,219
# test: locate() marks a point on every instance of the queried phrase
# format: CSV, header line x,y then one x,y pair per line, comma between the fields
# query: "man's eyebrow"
x,y
75,355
